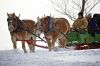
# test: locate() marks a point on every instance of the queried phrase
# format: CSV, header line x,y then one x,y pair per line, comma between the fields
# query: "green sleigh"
x,y
75,37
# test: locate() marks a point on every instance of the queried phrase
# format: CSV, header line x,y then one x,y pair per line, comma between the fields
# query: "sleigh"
x,y
84,41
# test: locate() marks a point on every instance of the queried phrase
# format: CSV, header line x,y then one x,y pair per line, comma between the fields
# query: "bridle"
x,y
16,22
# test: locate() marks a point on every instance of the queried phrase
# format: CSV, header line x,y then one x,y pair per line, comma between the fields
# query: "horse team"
x,y
26,31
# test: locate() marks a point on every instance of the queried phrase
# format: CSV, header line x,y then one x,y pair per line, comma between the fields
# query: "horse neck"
x,y
19,25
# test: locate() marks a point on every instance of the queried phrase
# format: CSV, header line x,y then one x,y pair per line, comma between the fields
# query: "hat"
x,y
89,15
80,14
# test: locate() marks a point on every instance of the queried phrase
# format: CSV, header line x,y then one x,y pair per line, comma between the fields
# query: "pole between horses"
x,y
36,35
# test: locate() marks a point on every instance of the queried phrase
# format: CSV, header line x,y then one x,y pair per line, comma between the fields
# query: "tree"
x,y
70,8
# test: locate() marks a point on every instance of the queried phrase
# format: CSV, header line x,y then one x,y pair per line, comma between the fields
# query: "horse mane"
x,y
19,25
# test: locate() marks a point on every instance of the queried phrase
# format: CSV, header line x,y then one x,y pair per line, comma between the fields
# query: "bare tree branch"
x,y
94,5
77,4
70,8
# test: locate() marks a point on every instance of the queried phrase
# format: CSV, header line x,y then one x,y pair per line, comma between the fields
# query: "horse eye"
x,y
7,19
41,20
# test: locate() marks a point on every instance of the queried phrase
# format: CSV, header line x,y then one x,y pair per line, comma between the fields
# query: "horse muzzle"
x,y
11,28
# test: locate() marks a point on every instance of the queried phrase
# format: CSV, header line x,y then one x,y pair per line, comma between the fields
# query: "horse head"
x,y
38,26
42,24
13,22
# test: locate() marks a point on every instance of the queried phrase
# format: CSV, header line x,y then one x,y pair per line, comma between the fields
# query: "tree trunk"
x,y
83,6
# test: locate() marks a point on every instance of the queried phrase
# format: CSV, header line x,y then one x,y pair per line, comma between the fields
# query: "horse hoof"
x,y
25,51
32,51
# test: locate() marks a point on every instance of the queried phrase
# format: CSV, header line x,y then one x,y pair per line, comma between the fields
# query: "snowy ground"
x,y
45,58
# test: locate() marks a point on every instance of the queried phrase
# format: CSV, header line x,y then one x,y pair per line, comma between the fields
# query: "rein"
x,y
20,24
36,35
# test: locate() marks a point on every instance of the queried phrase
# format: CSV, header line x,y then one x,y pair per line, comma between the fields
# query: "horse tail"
x,y
68,27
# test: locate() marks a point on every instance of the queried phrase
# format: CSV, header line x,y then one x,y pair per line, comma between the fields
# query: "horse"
x,y
53,29
20,30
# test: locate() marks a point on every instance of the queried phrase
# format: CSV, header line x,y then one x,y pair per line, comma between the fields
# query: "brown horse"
x,y
19,31
53,29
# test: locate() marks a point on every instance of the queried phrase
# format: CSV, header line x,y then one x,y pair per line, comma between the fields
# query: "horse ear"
x,y
44,15
14,14
7,14
19,16
50,15
38,19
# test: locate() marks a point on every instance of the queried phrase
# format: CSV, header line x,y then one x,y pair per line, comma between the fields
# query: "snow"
x,y
61,57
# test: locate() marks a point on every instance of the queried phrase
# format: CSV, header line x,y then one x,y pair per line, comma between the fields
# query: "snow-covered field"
x,y
44,58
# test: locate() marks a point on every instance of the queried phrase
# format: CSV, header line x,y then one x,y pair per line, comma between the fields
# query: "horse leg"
x,y
23,46
14,45
49,44
14,42
33,43
31,47
62,42
53,43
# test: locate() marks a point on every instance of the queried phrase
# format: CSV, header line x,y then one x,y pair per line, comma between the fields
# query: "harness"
x,y
50,24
